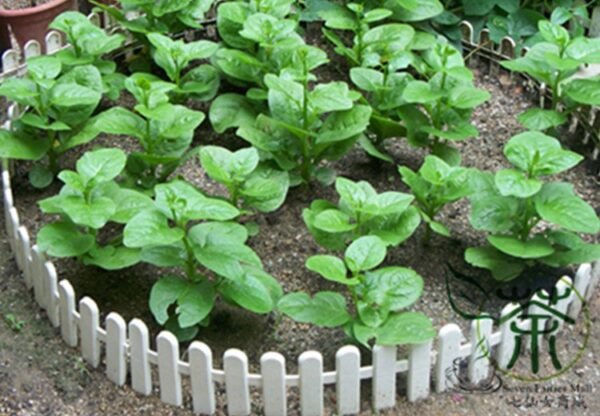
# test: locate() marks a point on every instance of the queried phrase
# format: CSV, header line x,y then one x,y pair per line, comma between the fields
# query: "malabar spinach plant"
x,y
164,130
445,97
361,211
510,204
194,233
89,44
250,185
553,62
165,16
435,185
89,200
57,114
174,56
380,297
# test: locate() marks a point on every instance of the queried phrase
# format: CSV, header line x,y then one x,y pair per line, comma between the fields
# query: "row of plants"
x,y
118,209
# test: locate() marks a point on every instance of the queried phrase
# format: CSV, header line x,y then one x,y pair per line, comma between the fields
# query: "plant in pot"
x,y
31,23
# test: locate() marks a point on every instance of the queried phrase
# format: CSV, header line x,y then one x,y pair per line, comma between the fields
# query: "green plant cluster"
x,y
262,80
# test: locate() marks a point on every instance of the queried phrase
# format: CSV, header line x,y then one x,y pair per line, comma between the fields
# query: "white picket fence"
x,y
126,350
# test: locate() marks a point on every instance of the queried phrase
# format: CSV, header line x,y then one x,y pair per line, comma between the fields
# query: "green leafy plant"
x,y
435,185
89,44
174,56
88,201
250,184
379,297
164,130
306,126
56,117
510,204
361,211
165,16
553,62
446,99
192,232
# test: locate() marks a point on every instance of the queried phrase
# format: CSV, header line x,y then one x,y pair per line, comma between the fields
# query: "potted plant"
x,y
31,22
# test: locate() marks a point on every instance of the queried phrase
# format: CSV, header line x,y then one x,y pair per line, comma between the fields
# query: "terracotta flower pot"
x,y
31,23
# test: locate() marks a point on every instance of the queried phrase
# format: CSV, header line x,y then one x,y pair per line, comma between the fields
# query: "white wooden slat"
x,y
32,48
535,309
384,377
467,31
235,364
139,345
419,371
563,286
10,60
448,350
88,327
54,41
94,18
37,262
9,225
116,358
347,366
51,299
594,281
272,366
13,216
14,112
26,254
68,328
506,347
479,359
168,372
582,281
310,369
203,388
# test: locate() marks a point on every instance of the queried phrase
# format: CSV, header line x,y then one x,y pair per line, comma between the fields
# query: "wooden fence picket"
x,y
51,298
347,366
419,371
479,359
595,278
203,388
506,348
168,369
582,281
235,365
13,219
534,309
26,254
272,365
54,42
139,347
384,377
448,350
116,352
89,323
32,49
68,328
310,369
563,286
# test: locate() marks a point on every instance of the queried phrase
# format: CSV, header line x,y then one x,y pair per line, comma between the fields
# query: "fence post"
x,y
347,366
272,365
384,377
168,369
582,281
116,358
419,371
88,325
68,328
310,364
203,389
481,330
506,348
235,364
139,346
448,350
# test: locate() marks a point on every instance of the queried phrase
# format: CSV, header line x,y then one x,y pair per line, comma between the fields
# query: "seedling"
x,y
379,297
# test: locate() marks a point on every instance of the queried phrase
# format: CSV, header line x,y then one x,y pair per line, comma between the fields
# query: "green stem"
x,y
306,145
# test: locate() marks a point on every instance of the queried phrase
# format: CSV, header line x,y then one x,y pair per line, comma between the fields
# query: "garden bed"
x,y
284,242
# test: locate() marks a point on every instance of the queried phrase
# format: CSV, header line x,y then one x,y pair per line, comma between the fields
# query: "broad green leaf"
x,y
406,328
503,267
495,214
231,110
165,256
94,213
531,249
395,287
333,96
365,253
367,79
526,149
265,189
467,97
118,120
585,253
62,239
40,176
195,303
101,165
256,291
584,91
343,125
327,309
414,11
150,228
334,221
435,170
541,119
44,67
511,182
331,268
24,148
215,161
556,203
112,258
420,92
218,233
396,231
128,204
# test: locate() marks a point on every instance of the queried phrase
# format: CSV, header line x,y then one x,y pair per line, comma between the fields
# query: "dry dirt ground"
x,y
39,375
